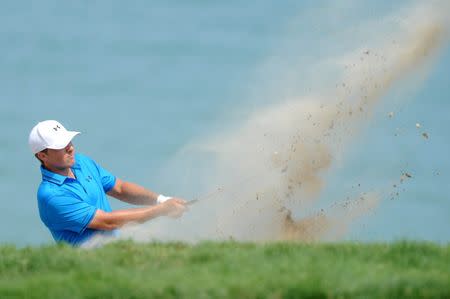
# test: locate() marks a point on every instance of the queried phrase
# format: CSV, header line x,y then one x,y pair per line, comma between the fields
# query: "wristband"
x,y
161,198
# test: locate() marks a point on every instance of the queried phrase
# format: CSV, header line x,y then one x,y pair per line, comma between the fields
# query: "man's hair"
x,y
43,151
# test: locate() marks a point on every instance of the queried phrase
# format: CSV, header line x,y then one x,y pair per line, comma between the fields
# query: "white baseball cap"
x,y
49,134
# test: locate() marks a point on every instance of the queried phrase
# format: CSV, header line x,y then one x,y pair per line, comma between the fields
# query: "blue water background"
x,y
140,79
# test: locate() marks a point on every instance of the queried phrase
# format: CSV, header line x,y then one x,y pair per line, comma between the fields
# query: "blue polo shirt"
x,y
67,206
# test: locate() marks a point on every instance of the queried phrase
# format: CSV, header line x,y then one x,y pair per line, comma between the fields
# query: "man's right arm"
x,y
111,220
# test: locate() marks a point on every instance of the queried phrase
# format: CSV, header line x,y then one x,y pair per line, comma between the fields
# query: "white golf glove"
x,y
161,198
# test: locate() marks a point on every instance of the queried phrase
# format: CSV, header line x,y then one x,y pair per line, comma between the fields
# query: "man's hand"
x,y
174,207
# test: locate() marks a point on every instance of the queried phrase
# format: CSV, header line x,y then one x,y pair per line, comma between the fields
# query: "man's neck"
x,y
61,171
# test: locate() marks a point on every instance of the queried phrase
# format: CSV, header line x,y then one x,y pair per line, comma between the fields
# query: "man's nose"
x,y
69,147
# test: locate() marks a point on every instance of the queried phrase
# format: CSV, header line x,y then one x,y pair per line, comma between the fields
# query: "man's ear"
x,y
42,156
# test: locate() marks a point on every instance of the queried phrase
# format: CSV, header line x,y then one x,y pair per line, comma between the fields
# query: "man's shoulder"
x,y
81,157
83,160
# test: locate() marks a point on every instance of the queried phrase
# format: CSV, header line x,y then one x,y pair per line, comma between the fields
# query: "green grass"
x,y
227,270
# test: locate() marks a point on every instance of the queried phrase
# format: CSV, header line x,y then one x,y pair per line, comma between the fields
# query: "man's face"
x,y
59,159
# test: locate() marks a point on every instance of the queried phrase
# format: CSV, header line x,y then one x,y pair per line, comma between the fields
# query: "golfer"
x,y
72,195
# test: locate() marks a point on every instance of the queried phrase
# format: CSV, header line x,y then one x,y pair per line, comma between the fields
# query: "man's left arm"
x,y
133,193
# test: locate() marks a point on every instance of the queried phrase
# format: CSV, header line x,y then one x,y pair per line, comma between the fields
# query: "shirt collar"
x,y
50,176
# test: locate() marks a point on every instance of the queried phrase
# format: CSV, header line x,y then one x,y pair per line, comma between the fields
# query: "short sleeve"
x,y
108,180
68,213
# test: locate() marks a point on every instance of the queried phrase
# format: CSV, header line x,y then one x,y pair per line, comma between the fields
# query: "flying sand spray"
x,y
283,150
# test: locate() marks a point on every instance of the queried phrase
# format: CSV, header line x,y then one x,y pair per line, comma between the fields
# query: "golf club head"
x,y
191,202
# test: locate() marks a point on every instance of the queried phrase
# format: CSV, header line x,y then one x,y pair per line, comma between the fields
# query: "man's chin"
x,y
71,162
